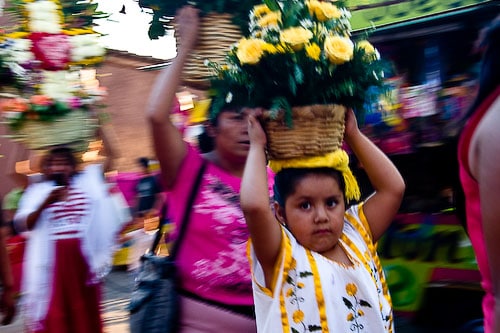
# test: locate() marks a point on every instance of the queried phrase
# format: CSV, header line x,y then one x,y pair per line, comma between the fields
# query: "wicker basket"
x,y
76,130
216,34
316,130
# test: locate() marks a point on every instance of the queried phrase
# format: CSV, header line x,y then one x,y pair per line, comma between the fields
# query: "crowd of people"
x,y
311,262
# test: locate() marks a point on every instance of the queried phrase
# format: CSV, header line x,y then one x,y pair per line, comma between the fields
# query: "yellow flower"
x,y
366,46
300,285
360,312
323,10
313,51
273,49
269,19
351,289
298,316
260,10
370,51
250,50
289,292
338,49
296,37
350,317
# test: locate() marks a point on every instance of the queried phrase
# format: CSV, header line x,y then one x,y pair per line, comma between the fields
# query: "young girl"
x,y
317,269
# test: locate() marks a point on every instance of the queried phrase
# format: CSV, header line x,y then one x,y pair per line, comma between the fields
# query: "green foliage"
x,y
164,10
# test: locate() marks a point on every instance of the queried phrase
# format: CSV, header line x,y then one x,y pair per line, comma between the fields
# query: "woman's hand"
x,y
188,21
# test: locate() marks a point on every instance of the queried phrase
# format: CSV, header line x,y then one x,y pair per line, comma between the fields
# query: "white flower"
x,y
43,17
50,27
86,46
59,84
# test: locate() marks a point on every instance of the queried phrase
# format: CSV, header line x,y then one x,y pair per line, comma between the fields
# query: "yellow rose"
x,y
338,49
260,10
323,10
313,51
269,19
298,316
370,51
250,50
296,37
289,292
300,285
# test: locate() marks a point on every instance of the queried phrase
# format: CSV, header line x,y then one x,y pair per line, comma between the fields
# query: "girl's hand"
x,y
351,125
255,131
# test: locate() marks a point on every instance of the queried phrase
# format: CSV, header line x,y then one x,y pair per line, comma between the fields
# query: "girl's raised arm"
x,y
381,207
265,231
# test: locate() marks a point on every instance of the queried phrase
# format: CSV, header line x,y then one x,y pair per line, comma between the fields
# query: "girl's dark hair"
x,y
285,181
62,152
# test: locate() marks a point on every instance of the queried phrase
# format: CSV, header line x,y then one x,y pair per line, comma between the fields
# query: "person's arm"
x,y
7,301
110,144
265,231
55,195
168,143
484,161
381,207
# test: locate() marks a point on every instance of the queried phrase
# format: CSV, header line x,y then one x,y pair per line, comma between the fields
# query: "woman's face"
x,y
231,135
314,213
60,168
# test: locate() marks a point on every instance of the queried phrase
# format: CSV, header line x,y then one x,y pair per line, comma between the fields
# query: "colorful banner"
x,y
378,13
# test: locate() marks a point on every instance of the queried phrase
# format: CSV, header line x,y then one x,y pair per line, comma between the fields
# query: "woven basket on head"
x,y
76,129
216,34
316,130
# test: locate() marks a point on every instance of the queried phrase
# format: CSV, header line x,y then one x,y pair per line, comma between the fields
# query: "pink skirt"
x,y
198,317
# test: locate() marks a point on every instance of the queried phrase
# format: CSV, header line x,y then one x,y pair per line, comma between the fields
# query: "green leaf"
x,y
347,303
272,4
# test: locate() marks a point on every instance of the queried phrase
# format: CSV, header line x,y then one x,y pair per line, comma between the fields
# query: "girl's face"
x,y
314,213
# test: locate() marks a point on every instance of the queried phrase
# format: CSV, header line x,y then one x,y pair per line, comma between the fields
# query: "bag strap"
x,y
185,220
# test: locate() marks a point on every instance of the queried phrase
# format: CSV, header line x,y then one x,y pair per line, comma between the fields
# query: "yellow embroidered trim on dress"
x,y
264,289
318,290
338,160
287,264
364,221
373,252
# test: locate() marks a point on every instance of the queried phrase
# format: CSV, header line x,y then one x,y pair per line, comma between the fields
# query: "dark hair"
x,y
489,75
143,161
285,181
62,152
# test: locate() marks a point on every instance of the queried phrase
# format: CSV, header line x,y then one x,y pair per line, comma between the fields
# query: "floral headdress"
x,y
46,54
297,53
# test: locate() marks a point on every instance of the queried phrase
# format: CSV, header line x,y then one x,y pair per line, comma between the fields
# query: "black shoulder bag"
x,y
154,305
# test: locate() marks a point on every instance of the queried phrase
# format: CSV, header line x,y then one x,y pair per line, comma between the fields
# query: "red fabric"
x,y
473,208
74,305
15,249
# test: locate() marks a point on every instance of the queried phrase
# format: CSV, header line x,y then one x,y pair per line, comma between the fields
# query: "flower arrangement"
x,y
50,59
297,53
165,9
